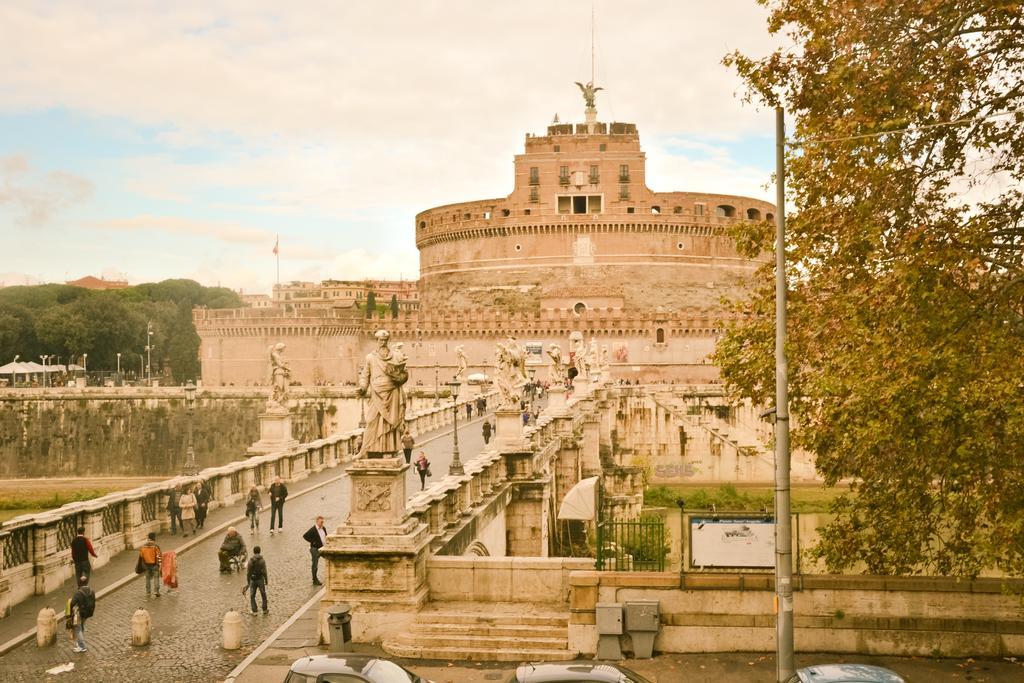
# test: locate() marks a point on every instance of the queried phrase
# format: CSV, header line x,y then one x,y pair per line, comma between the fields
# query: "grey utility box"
x,y
609,628
643,619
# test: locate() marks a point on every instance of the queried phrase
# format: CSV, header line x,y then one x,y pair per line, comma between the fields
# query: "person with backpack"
x,y
407,444
256,577
149,561
80,607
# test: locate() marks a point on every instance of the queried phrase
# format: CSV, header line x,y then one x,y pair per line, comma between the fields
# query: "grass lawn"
x,y
26,496
729,498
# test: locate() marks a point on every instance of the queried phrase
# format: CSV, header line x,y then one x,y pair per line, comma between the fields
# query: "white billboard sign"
x,y
732,542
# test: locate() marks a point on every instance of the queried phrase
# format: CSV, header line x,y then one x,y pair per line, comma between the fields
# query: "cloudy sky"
x,y
151,140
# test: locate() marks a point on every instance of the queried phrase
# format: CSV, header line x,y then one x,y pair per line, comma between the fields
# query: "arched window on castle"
x,y
725,211
659,335
753,215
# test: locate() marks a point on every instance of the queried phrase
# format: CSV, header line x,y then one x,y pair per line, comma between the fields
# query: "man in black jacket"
x,y
174,509
316,537
256,575
278,493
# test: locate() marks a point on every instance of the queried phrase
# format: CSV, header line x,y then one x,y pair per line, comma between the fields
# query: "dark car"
x,y
349,668
846,673
591,672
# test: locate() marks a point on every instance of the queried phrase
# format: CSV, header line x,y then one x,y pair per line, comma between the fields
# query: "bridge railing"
x,y
35,553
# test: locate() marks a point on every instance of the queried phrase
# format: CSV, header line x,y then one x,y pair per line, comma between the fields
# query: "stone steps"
x,y
504,633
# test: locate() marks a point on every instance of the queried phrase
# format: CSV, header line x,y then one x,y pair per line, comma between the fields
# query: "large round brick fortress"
x,y
581,230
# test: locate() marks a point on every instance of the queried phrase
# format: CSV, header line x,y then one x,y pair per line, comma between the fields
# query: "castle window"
x,y
680,246
564,204
659,335
563,175
466,216
656,210
603,147
595,175
487,215
579,204
519,247
753,215
698,209
423,224
725,211
558,148
677,209
624,173
534,175
506,213
769,217
624,192
580,308
630,209
534,195
526,212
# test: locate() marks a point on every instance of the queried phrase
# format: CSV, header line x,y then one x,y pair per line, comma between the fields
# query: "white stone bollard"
x,y
141,628
232,630
46,627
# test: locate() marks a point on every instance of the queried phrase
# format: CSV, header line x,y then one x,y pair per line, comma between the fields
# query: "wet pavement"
x,y
187,622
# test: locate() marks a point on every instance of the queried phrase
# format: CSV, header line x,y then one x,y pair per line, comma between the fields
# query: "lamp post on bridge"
x,y
85,368
456,467
119,364
44,359
190,469
437,399
362,405
14,376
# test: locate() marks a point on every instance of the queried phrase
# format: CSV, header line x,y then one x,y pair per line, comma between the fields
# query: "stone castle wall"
x,y
133,432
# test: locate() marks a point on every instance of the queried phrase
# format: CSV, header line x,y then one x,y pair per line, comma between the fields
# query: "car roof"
x,y
849,673
333,663
557,673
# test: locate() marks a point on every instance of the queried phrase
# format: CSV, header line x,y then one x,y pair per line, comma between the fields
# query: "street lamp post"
x,y
119,365
44,359
437,399
149,348
85,368
190,469
14,376
362,404
456,467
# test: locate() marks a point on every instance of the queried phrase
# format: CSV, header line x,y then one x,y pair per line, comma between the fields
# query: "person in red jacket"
x,y
81,549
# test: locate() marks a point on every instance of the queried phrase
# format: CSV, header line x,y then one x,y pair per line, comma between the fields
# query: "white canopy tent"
x,y
580,501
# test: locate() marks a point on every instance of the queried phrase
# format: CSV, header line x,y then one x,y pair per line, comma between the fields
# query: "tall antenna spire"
x,y
592,42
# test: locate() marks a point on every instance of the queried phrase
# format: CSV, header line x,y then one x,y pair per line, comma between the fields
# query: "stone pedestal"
x,y
508,429
580,387
376,560
556,401
275,432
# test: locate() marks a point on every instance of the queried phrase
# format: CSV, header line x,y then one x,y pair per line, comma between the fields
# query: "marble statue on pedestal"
x,y
579,357
556,374
511,375
280,378
460,355
604,362
381,380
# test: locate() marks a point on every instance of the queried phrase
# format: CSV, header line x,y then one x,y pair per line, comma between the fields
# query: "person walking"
x,y
80,608
278,493
81,549
407,444
173,509
469,410
423,469
253,504
487,431
187,504
202,494
256,577
149,560
316,537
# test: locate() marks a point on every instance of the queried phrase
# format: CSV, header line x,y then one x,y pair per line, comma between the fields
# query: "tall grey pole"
x,y
783,530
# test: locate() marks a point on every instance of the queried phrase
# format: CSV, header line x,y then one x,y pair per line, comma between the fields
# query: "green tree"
x,y
907,286
371,304
394,306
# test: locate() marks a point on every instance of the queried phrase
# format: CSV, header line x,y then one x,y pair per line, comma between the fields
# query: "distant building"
x,y
90,282
256,300
296,296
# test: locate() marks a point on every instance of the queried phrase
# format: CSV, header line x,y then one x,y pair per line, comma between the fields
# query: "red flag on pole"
x,y
276,242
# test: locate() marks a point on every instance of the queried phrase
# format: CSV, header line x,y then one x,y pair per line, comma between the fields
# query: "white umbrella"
x,y
581,501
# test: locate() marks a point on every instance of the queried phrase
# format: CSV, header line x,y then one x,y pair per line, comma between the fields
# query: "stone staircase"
x,y
494,632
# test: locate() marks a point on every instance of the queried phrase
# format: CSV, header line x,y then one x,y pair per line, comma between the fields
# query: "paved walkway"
x,y
186,644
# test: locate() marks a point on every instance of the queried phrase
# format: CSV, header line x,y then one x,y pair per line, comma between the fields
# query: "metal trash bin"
x,y
609,630
339,621
642,623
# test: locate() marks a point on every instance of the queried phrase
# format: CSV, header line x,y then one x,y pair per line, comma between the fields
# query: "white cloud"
x,y
33,198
